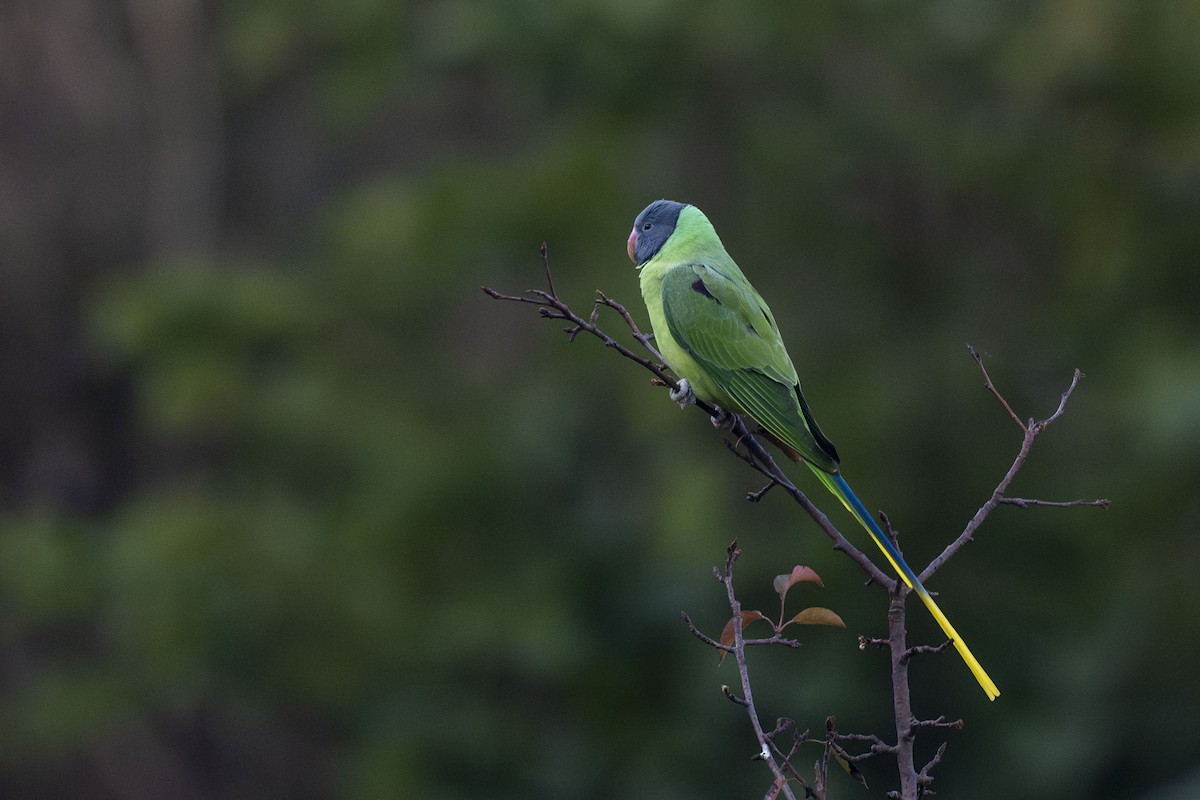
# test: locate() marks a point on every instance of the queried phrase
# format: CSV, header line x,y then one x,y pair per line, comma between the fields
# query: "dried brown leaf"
x,y
727,636
850,768
818,616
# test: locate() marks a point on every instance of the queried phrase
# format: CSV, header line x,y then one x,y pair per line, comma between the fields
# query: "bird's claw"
x,y
722,420
683,395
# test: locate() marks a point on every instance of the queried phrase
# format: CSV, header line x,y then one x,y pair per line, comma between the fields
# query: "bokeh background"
x,y
289,508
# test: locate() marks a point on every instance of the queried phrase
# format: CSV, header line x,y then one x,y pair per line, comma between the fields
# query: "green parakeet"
x,y
717,333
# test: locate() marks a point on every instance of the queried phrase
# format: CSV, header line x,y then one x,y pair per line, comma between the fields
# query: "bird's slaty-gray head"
x,y
652,228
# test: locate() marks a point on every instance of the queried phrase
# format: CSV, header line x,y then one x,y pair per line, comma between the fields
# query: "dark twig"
x,y
545,251
776,639
733,697
924,779
878,746
551,307
925,649
940,722
870,641
764,463
747,698
699,634
1022,502
787,760
755,496
1031,432
1062,403
711,642
987,382
643,338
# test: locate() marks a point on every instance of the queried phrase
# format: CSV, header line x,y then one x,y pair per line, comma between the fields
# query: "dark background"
x,y
290,508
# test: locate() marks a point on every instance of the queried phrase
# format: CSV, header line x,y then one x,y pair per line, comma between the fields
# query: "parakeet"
x,y
717,333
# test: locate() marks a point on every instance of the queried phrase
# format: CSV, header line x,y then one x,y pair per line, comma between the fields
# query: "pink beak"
x,y
632,245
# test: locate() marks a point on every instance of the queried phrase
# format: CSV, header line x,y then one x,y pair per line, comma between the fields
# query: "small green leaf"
x,y
818,616
800,574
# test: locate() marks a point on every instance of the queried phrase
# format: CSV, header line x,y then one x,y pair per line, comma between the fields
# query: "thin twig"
x,y
1023,502
786,760
739,654
940,722
545,250
764,463
552,307
924,649
711,642
733,697
878,746
699,634
643,338
997,498
1062,403
923,778
987,382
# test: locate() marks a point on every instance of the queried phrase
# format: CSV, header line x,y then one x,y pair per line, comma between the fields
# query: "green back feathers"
x,y
713,314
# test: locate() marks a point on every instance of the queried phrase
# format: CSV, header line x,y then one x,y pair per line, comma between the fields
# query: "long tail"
x,y
840,489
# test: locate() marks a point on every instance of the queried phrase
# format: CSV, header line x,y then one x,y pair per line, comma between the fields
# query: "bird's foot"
x,y
683,395
722,420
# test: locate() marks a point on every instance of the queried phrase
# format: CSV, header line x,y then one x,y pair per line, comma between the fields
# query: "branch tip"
x,y
733,698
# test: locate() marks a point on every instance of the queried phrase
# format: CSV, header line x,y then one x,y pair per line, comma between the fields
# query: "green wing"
x,y
727,328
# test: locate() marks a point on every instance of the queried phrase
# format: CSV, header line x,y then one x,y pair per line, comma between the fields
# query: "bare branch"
x,y
1062,404
987,382
764,463
997,498
924,649
1022,502
553,307
940,722
733,697
878,746
545,250
783,725
644,338
755,496
699,634
711,642
776,639
924,779
739,653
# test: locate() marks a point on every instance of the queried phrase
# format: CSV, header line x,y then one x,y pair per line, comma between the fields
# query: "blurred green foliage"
x,y
350,528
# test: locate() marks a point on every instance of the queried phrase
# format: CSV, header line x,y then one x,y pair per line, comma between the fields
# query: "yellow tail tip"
x,y
989,687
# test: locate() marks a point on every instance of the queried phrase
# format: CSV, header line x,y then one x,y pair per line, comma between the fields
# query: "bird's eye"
x,y
647,226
